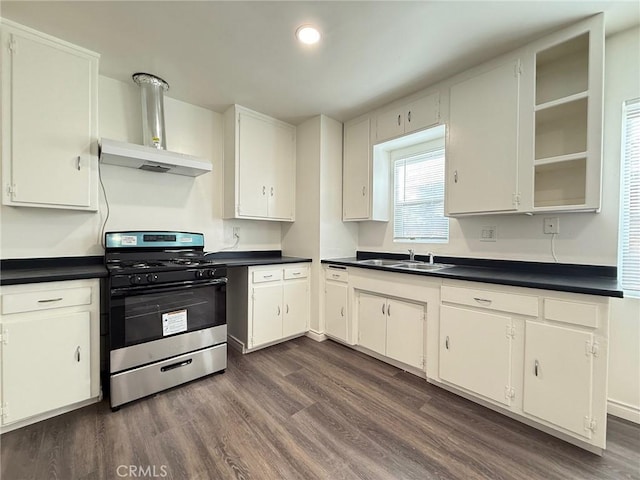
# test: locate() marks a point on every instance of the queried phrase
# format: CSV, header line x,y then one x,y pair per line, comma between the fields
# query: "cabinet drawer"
x,y
336,275
296,272
262,276
504,302
45,299
585,314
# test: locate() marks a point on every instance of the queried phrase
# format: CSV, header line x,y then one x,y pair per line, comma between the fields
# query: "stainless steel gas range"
x,y
167,312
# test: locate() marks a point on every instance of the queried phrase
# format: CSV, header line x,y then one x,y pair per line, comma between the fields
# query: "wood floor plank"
x,y
307,410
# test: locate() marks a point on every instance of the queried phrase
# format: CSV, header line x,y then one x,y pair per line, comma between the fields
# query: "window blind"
x,y
630,201
419,198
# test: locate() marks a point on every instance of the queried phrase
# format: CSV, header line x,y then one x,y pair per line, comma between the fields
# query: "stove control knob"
x,y
135,279
152,278
211,273
199,273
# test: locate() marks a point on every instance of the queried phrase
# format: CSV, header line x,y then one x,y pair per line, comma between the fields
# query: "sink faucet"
x,y
430,258
411,255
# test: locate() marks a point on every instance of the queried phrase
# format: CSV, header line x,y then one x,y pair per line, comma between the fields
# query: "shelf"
x,y
562,70
561,130
560,158
562,101
560,183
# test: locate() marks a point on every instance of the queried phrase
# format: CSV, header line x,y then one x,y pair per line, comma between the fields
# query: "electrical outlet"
x,y
489,234
551,225
236,232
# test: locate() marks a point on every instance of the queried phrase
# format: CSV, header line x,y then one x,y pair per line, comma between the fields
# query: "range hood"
x,y
152,156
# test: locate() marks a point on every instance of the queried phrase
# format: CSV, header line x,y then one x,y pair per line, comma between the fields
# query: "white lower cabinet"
x,y
540,355
50,348
475,351
267,304
336,311
558,376
392,328
266,313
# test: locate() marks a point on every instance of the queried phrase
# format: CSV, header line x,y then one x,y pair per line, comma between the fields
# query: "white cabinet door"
x,y
281,190
390,124
266,314
475,352
405,332
422,113
335,310
256,156
372,322
482,143
295,318
356,194
558,376
45,364
49,97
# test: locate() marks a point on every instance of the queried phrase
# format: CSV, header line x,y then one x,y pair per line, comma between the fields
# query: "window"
x,y
630,201
419,195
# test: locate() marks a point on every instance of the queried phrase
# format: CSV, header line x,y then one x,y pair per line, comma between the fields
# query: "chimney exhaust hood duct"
x,y
152,156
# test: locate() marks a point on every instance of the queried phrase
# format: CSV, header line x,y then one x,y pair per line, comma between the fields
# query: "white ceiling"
x,y
214,54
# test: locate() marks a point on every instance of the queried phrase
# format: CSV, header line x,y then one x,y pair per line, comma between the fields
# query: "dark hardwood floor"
x,y
305,410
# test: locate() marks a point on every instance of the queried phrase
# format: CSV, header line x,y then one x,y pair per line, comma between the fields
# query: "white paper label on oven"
x,y
129,240
174,322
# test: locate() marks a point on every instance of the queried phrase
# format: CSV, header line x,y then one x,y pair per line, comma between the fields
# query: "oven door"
x,y
147,313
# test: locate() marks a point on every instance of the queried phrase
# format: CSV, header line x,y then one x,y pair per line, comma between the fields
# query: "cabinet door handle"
x,y
267,276
484,301
272,191
383,309
409,116
278,310
342,311
455,176
49,300
389,309
399,119
446,342
536,368
363,190
295,273
287,310
335,275
78,165
78,354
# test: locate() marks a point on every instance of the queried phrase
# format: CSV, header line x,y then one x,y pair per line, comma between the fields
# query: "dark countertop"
x,y
586,279
252,259
36,270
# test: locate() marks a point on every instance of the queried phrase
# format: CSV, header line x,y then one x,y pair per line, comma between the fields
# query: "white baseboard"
x,y
317,336
623,410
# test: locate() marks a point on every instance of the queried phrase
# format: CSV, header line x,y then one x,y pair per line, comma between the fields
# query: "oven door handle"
x,y
167,287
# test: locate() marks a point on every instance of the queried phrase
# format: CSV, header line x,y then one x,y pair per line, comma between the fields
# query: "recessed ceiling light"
x,y
308,34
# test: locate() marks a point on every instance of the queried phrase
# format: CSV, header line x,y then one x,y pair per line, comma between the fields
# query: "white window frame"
x,y
406,153
629,230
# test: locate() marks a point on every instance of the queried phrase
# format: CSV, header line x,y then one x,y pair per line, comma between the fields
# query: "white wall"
x,y
140,200
318,231
622,82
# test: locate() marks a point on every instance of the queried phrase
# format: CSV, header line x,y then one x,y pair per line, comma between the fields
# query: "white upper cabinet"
x,y
526,135
49,121
482,142
366,180
567,109
259,166
415,115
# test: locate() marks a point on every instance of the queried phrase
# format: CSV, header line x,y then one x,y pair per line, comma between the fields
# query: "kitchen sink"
x,y
378,261
421,266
